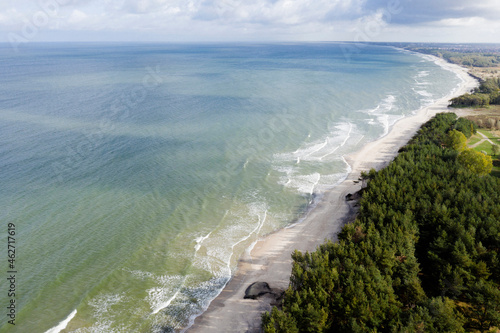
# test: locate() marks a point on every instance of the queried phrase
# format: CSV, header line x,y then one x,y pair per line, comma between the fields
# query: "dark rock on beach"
x,y
257,289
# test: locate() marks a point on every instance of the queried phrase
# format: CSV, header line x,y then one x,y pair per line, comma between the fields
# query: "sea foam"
x,y
62,325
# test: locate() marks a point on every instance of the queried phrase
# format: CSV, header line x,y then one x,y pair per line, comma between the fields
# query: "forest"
x,y
463,57
487,93
421,256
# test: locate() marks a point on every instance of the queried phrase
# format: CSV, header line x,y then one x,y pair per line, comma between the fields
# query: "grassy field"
x,y
486,146
485,72
474,139
492,135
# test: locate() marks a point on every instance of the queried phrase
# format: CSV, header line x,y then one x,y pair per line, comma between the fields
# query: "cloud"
x,y
258,19
143,6
287,12
77,17
424,11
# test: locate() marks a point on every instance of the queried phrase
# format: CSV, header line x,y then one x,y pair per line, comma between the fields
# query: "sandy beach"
x,y
270,259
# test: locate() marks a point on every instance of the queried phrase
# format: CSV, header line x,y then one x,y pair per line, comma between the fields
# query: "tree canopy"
x,y
456,140
477,162
421,256
487,93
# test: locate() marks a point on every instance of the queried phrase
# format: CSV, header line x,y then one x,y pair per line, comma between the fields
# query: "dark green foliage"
x,y
422,255
444,316
487,93
484,305
471,100
489,86
279,321
467,127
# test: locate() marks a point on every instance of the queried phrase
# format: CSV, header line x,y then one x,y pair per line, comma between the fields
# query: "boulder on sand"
x,y
257,289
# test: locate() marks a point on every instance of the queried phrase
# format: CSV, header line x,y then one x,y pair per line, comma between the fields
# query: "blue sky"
x,y
250,20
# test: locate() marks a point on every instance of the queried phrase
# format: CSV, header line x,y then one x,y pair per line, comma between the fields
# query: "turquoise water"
x,y
137,174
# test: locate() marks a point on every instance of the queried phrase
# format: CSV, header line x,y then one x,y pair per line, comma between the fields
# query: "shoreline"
x,y
270,258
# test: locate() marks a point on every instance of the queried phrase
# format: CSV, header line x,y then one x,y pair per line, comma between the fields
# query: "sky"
x,y
456,21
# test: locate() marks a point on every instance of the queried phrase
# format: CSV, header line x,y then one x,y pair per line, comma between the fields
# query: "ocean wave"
x,y
294,166
318,150
382,113
103,315
423,93
62,325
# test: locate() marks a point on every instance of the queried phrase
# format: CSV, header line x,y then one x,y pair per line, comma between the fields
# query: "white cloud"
x,y
76,17
143,6
260,19
463,22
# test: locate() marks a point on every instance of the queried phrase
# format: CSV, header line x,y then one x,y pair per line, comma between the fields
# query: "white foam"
x,y
165,304
342,144
302,177
349,168
357,142
102,312
381,114
424,93
306,183
236,228
419,76
423,74
199,241
424,83
254,210
62,325
103,303
250,248
347,136
140,274
383,119
317,150
161,297
387,104
446,66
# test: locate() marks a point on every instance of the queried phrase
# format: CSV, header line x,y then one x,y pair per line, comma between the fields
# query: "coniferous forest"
x,y
421,256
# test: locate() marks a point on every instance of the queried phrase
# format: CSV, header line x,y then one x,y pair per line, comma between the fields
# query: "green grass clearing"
x,y
489,134
474,139
486,146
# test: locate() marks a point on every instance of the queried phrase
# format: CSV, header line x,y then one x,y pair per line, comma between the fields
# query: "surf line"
x,y
165,304
342,144
62,325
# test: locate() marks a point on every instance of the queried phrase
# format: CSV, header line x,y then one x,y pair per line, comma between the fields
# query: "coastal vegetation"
x,y
470,58
487,93
421,256
483,60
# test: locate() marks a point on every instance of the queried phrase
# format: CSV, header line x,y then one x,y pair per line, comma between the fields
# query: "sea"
x,y
134,176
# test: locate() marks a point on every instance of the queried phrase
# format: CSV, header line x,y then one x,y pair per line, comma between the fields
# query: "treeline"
x,y
487,93
421,256
473,59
